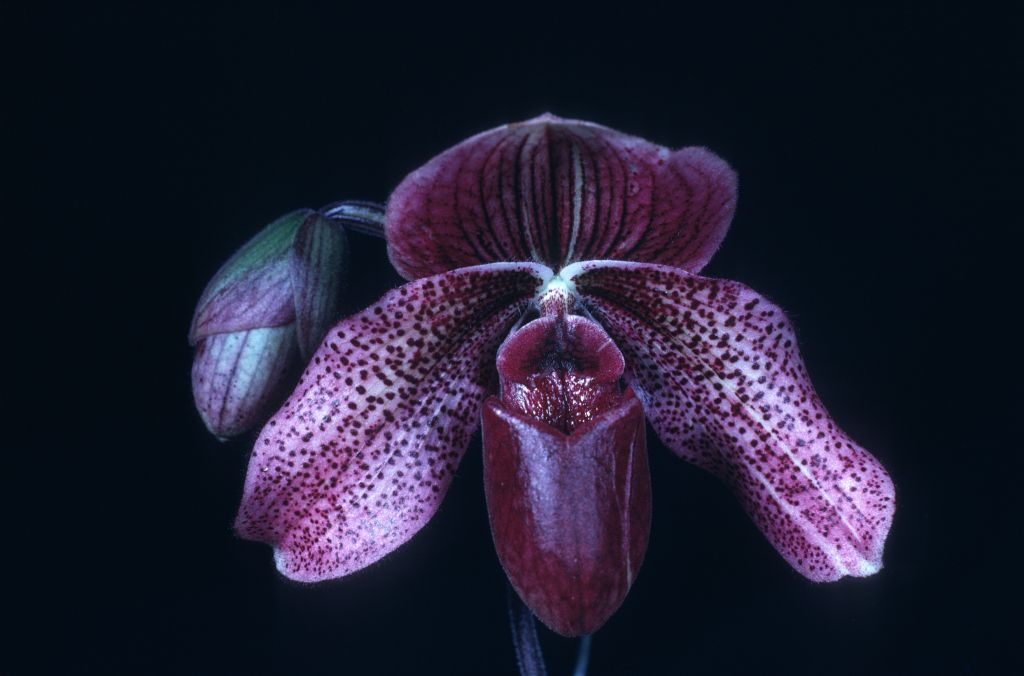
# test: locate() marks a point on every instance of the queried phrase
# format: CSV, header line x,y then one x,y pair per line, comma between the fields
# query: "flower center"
x,y
557,297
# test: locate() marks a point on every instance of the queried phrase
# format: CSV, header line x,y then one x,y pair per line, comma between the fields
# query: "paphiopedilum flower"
x,y
267,308
554,294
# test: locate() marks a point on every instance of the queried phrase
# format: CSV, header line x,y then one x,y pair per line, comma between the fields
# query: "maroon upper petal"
x,y
724,386
360,456
556,191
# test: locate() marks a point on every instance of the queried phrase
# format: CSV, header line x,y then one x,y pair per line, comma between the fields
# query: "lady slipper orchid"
x,y
554,295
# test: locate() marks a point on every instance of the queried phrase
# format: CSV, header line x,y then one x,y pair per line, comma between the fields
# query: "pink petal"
x,y
555,191
570,513
319,258
253,288
362,453
724,386
237,377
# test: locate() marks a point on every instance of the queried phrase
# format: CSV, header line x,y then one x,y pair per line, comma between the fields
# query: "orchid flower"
x,y
554,298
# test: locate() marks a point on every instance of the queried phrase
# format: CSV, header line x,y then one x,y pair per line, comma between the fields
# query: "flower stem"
x,y
524,637
527,645
366,218
583,656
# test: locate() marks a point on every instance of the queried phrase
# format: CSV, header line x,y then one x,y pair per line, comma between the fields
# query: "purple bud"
x,y
266,308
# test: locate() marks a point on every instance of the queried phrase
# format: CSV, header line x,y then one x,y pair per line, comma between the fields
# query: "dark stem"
x,y
524,637
366,218
583,656
527,645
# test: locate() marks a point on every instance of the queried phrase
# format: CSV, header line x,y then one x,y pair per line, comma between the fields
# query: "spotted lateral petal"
x,y
725,388
555,191
361,454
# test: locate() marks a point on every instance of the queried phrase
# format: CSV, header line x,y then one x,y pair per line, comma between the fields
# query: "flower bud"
x,y
267,308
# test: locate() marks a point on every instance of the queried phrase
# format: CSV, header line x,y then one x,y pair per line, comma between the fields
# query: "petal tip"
x,y
282,562
543,118
287,562
860,568
867,568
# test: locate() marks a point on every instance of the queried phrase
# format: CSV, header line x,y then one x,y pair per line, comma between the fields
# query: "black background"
x,y
880,164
